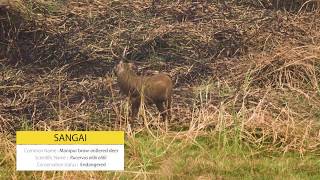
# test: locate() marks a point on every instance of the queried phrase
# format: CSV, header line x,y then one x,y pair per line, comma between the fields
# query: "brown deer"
x,y
155,89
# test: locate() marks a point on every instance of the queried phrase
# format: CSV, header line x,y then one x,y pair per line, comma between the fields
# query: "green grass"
x,y
204,157
178,156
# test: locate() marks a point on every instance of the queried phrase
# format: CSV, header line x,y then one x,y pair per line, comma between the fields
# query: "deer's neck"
x,y
130,82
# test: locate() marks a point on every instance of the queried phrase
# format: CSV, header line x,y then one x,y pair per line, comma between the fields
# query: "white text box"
x,y
70,157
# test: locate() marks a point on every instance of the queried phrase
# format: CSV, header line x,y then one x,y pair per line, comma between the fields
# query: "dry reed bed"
x,y
56,67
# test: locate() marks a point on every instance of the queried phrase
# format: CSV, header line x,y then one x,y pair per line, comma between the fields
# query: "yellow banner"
x,y
70,137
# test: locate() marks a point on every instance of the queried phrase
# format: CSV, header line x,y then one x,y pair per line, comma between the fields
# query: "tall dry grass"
x,y
243,73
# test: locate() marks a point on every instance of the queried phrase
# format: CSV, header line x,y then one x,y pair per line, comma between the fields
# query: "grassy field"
x,y
181,156
246,73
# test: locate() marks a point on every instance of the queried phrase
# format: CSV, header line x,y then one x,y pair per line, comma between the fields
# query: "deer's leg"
x,y
161,109
168,106
135,105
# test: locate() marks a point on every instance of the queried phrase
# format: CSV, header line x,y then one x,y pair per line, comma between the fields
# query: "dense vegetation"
x,y
246,98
